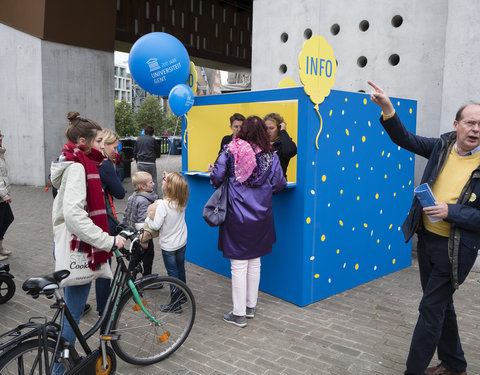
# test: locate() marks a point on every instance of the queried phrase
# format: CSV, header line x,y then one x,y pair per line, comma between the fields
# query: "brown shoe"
x,y
440,370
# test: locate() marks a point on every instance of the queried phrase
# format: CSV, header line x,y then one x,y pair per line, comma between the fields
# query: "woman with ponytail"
x,y
80,205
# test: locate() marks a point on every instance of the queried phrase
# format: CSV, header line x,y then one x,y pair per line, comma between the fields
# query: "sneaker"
x,y
237,320
3,257
86,310
250,312
173,308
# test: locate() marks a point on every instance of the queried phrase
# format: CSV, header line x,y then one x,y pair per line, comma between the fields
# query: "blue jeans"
x,y
437,322
75,298
175,263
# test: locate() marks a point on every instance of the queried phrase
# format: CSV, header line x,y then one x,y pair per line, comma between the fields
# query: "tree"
x,y
171,124
124,119
149,113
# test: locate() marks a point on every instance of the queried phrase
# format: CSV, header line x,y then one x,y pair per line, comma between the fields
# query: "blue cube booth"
x,y
338,222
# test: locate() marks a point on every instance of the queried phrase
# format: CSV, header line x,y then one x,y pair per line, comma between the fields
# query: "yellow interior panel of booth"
x,y
207,125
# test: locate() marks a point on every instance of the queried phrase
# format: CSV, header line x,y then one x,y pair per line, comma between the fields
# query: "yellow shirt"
x,y
449,185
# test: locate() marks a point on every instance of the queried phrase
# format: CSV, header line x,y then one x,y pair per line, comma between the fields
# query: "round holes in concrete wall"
x,y
397,21
362,61
307,33
335,29
394,59
283,68
364,25
284,37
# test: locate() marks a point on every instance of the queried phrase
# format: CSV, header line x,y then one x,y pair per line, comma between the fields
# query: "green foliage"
x,y
171,124
150,113
124,119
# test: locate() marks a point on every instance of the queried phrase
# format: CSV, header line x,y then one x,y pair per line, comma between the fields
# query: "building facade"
x,y
123,84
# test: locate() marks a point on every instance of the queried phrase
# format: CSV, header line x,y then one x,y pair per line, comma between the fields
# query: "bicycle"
x,y
145,321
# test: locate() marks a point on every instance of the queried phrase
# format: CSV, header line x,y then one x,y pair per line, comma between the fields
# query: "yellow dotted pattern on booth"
x,y
361,140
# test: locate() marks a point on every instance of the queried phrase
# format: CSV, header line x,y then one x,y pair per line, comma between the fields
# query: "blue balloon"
x,y
158,62
119,148
142,133
181,99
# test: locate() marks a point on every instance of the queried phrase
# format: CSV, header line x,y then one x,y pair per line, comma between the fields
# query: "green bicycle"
x,y
144,322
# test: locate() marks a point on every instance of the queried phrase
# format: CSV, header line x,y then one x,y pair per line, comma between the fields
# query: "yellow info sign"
x,y
317,68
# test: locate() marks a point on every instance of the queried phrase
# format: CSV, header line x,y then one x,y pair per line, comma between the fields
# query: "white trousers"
x,y
245,281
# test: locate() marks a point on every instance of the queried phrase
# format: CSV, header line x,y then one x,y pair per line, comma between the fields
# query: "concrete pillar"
x,y
42,82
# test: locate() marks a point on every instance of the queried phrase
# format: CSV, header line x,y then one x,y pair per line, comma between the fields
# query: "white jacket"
x,y
68,207
171,226
4,185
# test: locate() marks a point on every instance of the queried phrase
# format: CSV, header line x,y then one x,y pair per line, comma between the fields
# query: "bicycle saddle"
x,y
36,285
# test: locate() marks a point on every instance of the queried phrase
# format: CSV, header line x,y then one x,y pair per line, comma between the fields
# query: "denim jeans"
x,y
175,263
437,322
102,290
75,298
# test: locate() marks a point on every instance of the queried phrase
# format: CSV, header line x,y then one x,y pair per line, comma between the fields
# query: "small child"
x,y
135,214
169,220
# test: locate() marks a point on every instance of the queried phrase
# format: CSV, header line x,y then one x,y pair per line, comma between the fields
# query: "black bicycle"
x,y
144,321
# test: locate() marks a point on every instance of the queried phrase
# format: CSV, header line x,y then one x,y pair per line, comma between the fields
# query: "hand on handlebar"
x,y
119,241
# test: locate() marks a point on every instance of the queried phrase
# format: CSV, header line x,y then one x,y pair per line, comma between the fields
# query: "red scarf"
x,y
91,159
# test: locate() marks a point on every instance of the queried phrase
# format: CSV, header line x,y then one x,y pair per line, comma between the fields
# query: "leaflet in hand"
x,y
426,198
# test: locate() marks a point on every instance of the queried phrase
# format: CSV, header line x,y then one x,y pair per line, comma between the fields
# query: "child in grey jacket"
x,y
135,214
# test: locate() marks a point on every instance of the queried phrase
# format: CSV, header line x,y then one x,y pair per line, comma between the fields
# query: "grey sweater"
x,y
137,205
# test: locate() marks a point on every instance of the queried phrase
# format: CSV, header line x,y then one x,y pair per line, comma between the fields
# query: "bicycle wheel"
x,y
26,358
143,342
7,288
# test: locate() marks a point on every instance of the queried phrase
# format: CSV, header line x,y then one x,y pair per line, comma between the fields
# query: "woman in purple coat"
x,y
254,173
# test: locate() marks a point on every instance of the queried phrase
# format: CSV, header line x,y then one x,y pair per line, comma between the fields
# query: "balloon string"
x,y
321,126
185,133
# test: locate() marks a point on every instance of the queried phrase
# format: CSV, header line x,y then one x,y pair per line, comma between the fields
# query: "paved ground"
x,y
365,330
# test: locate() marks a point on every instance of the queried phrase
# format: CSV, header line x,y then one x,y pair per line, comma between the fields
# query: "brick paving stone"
x,y
364,330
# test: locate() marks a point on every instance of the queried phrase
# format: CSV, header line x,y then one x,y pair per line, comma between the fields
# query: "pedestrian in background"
x,y
6,214
447,249
145,153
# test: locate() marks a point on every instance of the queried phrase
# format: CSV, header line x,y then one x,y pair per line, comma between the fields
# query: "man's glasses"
x,y
471,124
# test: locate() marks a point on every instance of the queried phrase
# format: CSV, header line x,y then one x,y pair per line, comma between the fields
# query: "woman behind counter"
x,y
281,141
254,174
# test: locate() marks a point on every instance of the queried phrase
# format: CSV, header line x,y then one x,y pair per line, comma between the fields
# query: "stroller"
x,y
7,286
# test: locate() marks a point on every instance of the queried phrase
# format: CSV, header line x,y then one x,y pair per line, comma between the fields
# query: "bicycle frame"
x,y
53,329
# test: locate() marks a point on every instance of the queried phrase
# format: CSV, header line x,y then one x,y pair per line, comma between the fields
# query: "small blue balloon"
x,y
158,62
181,99
142,132
119,148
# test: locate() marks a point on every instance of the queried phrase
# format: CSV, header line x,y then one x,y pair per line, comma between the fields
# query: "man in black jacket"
x,y
447,248
145,154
